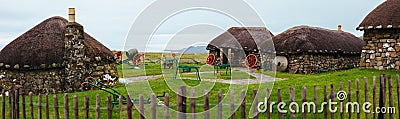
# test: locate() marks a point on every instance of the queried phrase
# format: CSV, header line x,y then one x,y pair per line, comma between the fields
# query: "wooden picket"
x,y
387,83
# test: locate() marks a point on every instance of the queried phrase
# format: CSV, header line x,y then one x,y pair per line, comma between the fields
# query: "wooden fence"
x,y
16,101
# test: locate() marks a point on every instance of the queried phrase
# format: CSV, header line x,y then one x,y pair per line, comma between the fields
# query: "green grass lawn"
x,y
291,80
158,86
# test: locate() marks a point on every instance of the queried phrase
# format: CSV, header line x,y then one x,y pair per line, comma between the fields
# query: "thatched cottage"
x,y
55,56
238,43
381,36
306,49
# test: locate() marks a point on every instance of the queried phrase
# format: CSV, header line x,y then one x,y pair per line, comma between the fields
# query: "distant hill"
x,y
192,50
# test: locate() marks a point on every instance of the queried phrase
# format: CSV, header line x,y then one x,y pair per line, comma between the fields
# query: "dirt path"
x,y
138,78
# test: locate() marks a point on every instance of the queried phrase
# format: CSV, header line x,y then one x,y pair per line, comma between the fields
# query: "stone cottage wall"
x,y
239,57
312,63
36,81
53,78
103,69
382,49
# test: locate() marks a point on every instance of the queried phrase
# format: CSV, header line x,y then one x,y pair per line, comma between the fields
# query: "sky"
x,y
110,21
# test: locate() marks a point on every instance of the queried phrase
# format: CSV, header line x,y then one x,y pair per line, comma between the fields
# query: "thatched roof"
x,y
317,40
242,37
385,15
44,44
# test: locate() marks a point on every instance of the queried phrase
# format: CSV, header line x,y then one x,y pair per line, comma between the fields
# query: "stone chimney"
x,y
339,28
71,14
74,57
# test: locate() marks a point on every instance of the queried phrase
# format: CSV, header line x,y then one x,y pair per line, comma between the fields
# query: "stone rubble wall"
x,y
36,81
54,79
313,63
104,70
74,57
381,50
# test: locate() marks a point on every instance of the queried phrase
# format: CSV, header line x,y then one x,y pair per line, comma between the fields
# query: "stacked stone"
x,y
103,69
382,49
36,81
312,63
74,58
54,78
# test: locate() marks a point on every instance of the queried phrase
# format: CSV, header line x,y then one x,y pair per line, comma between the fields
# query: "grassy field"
x,y
153,64
158,86
291,80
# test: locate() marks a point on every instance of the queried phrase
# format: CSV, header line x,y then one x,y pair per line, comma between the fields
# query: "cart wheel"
x,y
138,60
210,59
251,60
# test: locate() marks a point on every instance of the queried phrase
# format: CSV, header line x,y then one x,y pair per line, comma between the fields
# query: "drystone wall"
x,y
55,79
382,49
314,63
36,81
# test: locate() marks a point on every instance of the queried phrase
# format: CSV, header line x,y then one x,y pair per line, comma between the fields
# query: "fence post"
x,y
97,106
243,105
349,97
109,107
391,96
153,106
193,104
219,105
304,99
182,102
332,97
325,100
141,107
56,114
166,106
16,95
66,108
47,106
129,105
76,108
382,95
3,104
255,103
40,106
31,105
232,98
374,96
206,105
86,107
280,116
23,106
292,113
366,94
10,104
358,96
398,93
315,100
268,95
341,102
